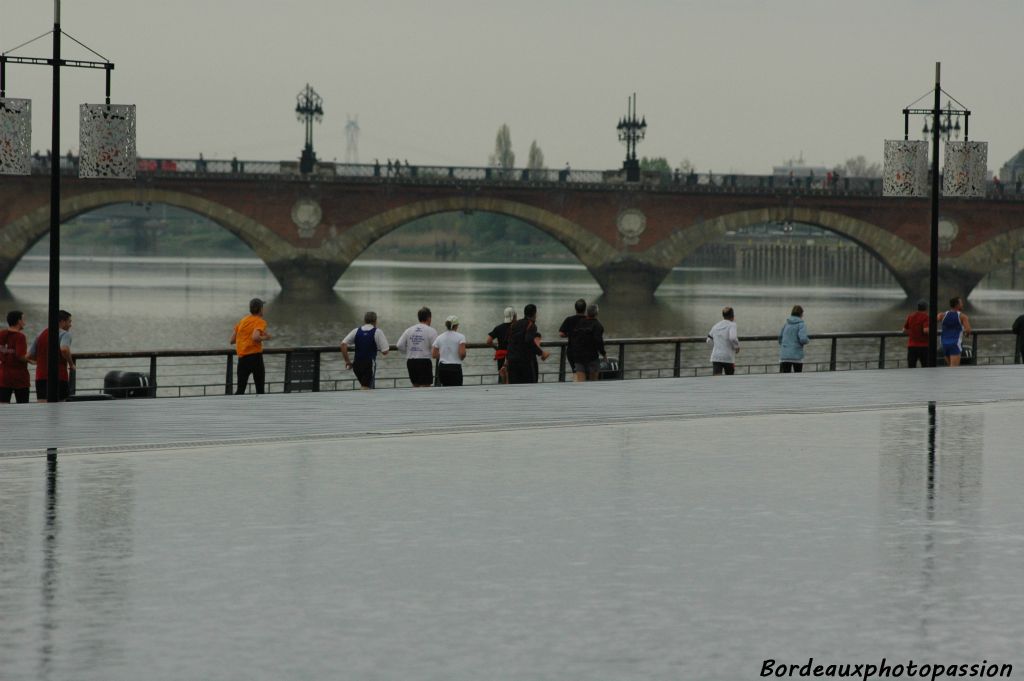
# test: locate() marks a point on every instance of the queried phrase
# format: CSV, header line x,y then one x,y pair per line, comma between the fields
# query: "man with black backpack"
x,y
587,340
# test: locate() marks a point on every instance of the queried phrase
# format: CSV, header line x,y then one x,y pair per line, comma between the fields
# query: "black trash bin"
x,y
609,370
126,384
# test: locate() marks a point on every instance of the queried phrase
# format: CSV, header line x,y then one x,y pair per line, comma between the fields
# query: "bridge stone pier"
x,y
308,230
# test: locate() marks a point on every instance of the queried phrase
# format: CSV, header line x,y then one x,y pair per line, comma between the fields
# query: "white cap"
x,y
510,314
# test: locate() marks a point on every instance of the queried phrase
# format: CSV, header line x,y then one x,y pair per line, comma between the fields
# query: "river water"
x,y
167,303
133,304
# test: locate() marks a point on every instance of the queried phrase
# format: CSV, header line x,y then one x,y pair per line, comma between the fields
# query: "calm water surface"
x,y
688,549
163,303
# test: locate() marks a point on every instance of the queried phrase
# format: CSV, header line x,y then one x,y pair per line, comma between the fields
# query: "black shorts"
x,y
450,374
364,370
719,368
63,390
916,356
791,367
421,371
19,394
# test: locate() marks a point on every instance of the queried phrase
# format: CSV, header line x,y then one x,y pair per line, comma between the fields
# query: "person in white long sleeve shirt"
x,y
725,343
416,344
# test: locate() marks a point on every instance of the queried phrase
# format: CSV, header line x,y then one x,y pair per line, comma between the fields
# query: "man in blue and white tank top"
x,y
368,340
954,327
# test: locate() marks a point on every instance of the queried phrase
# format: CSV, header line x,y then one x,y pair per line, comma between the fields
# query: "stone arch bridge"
x,y
308,230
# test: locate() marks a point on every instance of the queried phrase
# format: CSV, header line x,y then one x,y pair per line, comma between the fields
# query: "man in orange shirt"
x,y
248,338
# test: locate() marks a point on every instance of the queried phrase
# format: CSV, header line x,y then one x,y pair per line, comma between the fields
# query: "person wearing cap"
x,y
449,350
417,343
499,336
248,337
368,341
916,329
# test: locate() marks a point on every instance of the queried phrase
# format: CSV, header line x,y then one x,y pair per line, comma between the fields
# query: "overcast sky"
x,y
730,85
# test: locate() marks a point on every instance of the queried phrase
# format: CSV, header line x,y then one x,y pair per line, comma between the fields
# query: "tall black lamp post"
x,y
308,107
56,62
631,130
945,123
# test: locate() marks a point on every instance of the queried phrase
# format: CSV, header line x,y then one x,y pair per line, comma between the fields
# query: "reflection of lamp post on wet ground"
x,y
308,107
106,150
631,131
906,174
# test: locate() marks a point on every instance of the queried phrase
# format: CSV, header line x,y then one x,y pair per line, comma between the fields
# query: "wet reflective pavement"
x,y
659,529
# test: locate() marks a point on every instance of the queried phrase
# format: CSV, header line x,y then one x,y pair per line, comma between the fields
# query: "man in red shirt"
x,y
916,328
14,378
40,351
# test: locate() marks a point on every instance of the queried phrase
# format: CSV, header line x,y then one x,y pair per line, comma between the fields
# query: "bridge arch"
x,y
23,233
589,249
903,260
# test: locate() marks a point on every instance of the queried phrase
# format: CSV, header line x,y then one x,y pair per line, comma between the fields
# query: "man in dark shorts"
x,y
588,345
498,339
416,343
524,348
565,331
368,340
40,352
916,327
14,378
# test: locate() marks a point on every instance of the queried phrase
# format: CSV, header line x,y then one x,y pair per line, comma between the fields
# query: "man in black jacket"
x,y
588,345
524,348
1018,328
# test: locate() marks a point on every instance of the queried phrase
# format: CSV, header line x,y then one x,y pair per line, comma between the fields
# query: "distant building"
x,y
796,168
1013,170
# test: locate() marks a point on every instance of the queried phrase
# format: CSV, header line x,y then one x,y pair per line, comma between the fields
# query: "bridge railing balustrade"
x,y
671,181
186,373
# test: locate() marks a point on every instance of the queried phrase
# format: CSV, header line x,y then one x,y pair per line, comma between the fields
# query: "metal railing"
x,y
183,373
434,174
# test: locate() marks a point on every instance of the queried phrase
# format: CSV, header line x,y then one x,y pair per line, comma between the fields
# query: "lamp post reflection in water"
x,y
49,577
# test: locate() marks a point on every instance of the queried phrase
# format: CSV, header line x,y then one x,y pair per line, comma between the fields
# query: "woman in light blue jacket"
x,y
792,339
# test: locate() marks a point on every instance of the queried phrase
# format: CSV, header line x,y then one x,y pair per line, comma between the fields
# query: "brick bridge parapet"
x,y
308,230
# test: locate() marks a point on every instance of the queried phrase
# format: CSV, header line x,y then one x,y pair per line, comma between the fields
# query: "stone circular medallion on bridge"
x,y
948,231
631,223
306,214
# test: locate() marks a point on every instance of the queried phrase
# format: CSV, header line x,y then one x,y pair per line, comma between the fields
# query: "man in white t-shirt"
x,y
416,344
725,344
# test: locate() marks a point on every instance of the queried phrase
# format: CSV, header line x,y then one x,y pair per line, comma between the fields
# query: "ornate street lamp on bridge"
x,y
308,107
631,131
106,150
964,175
